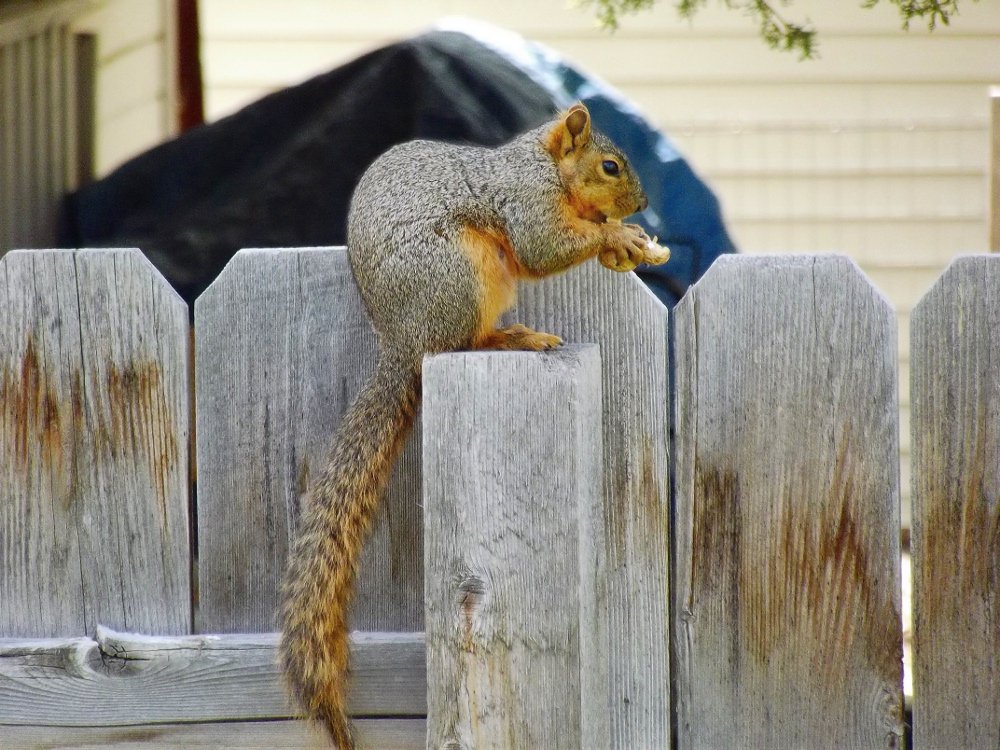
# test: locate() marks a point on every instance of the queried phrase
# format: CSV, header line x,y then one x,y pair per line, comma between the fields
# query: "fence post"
x,y
516,639
93,445
617,311
955,396
282,346
787,508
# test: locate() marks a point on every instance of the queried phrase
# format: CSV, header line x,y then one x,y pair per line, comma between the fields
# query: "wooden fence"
x,y
524,566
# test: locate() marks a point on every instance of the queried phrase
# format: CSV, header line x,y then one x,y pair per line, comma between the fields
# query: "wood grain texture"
x,y
787,509
370,734
283,344
126,679
955,392
589,304
94,445
517,644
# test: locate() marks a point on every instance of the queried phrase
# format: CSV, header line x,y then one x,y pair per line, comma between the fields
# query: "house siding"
x,y
879,148
134,87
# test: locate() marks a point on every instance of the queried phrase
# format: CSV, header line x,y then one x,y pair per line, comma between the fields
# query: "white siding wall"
x,y
46,81
878,149
38,133
44,84
135,102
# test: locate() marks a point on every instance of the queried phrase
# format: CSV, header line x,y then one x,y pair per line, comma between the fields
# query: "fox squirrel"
x,y
438,237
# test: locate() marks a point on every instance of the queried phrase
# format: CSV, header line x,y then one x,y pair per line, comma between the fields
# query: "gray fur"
x,y
416,198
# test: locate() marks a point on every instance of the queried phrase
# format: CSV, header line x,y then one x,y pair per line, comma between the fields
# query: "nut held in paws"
x,y
656,254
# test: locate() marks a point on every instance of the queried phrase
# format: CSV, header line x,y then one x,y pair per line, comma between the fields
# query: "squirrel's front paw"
x,y
633,246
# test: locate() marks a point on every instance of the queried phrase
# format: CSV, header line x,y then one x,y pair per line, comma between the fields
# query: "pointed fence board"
x,y
517,640
591,304
787,508
955,397
282,346
94,440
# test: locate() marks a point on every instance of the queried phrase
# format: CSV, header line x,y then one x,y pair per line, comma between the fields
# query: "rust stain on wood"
x,y
32,420
649,489
125,416
137,423
636,502
961,537
717,547
717,541
827,583
811,580
19,392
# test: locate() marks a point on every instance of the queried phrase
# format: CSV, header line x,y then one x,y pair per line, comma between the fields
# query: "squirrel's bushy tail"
x,y
335,520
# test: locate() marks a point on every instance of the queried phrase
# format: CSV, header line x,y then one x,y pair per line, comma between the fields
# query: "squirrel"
x,y
438,237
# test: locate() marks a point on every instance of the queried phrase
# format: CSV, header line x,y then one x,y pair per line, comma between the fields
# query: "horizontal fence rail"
x,y
127,679
777,589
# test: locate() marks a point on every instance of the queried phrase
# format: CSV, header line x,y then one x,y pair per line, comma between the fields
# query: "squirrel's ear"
x,y
578,124
571,132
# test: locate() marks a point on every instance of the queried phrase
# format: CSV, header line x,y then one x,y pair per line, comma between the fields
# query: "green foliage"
x,y
609,11
934,11
776,30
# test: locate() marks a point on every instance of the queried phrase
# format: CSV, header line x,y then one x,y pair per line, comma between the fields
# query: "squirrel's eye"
x,y
610,167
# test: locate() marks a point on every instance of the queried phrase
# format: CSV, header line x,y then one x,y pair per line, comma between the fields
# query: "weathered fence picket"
x,y
516,633
94,445
955,397
787,513
590,305
283,345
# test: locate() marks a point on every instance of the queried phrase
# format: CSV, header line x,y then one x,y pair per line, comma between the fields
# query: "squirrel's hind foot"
x,y
518,338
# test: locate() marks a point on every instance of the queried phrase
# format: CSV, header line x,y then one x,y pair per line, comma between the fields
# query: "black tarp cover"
x,y
280,172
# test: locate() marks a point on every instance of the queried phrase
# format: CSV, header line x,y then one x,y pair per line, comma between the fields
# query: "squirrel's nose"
x,y
643,203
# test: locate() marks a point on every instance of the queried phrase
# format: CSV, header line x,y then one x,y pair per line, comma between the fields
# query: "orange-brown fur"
x,y
543,212
492,257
